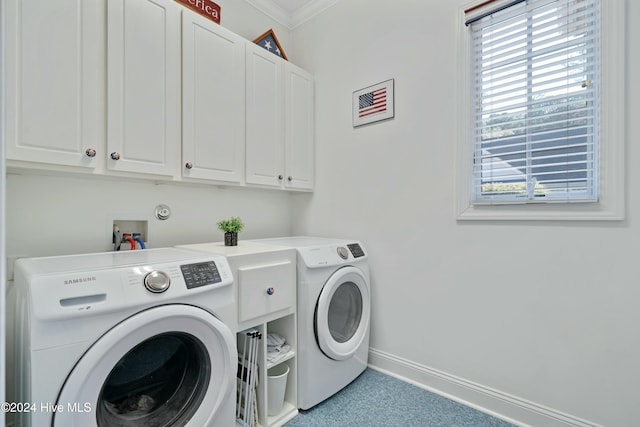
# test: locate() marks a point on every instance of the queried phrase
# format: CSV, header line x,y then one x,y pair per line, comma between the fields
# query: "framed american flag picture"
x,y
373,103
270,42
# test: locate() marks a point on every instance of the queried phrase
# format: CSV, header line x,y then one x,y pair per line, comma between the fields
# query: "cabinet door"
x,y
54,81
299,119
213,101
144,86
265,120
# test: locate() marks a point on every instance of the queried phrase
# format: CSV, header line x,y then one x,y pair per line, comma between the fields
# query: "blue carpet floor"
x,y
375,399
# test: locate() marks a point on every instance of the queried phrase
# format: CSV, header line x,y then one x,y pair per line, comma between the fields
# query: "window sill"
x,y
546,212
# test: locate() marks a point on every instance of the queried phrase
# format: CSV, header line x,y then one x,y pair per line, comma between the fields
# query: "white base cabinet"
x,y
285,327
266,289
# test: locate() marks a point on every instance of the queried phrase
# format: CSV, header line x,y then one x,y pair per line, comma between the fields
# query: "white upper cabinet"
x,y
299,119
213,121
54,70
279,141
144,80
150,89
265,118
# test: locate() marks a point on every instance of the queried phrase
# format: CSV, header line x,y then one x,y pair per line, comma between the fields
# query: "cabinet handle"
x,y
280,177
90,152
188,165
270,291
115,155
289,178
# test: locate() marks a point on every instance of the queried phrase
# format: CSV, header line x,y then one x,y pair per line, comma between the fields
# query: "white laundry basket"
x,y
276,386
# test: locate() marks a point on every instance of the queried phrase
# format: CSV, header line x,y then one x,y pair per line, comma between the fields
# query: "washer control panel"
x,y
200,274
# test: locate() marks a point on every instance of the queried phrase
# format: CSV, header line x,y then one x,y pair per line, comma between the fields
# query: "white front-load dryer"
x,y
136,338
334,304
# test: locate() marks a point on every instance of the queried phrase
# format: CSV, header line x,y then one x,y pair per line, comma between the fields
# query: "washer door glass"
x,y
166,366
161,381
342,313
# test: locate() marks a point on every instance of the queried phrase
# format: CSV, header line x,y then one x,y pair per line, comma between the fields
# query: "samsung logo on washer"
x,y
79,280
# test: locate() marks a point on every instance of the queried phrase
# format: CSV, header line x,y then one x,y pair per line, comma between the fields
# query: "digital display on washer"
x,y
356,250
200,274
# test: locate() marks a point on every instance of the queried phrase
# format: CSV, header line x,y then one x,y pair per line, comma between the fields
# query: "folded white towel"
x,y
275,340
275,355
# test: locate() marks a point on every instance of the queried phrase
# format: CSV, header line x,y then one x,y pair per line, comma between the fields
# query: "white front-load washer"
x,y
334,303
136,338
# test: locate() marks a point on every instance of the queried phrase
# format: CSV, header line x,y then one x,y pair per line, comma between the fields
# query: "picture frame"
x,y
269,41
373,103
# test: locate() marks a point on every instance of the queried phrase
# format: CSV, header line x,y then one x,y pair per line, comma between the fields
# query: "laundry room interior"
x,y
531,318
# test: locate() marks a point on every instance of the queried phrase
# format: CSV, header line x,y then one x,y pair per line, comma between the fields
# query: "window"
x,y
538,133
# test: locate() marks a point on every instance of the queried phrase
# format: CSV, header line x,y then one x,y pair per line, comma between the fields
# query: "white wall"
x,y
247,21
67,215
517,317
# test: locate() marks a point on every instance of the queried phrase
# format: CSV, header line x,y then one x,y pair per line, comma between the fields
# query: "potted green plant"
x,y
231,227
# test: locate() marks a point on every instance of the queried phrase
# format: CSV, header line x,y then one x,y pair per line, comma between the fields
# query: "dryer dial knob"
x,y
157,281
343,252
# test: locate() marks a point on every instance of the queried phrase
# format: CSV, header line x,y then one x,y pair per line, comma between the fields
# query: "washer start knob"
x,y
343,252
157,281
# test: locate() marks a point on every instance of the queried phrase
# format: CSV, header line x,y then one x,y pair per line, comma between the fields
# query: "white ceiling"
x,y
291,6
291,13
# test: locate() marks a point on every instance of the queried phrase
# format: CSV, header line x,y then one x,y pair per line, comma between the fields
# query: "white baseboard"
x,y
490,401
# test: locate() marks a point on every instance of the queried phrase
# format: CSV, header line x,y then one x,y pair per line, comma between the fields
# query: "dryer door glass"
x,y
160,382
342,313
345,312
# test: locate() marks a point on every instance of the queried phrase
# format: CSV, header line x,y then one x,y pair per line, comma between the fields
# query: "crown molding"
x,y
291,21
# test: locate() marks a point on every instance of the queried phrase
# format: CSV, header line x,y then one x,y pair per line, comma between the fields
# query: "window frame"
x,y
610,205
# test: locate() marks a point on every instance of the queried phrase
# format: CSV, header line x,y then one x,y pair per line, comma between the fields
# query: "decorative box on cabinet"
x,y
265,281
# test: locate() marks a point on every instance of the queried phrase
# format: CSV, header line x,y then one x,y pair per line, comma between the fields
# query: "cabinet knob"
x,y
280,177
270,291
188,165
115,155
90,152
289,178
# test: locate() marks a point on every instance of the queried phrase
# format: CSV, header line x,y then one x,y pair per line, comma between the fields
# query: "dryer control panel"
x,y
356,250
332,254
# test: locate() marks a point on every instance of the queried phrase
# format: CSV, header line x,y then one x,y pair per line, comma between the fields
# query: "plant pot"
x,y
231,239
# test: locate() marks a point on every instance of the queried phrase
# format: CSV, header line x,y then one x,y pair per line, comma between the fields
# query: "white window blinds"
x,y
535,85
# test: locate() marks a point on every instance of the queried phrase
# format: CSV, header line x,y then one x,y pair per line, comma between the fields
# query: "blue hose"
x,y
137,238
